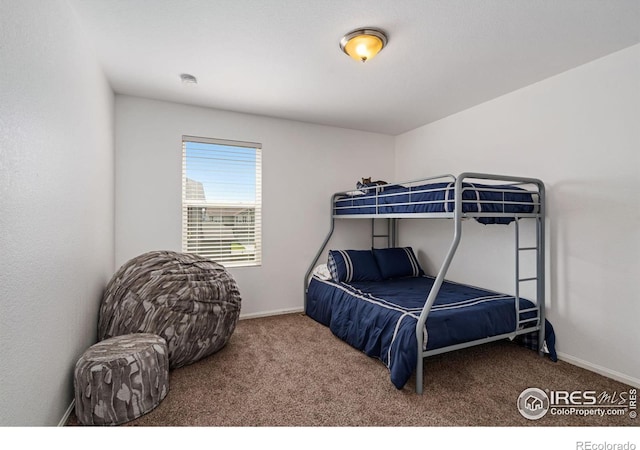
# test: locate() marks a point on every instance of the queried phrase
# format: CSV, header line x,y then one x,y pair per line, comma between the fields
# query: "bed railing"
x,y
433,197
540,269
379,195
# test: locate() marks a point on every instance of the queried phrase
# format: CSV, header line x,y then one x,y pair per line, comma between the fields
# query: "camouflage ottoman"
x,y
121,378
190,301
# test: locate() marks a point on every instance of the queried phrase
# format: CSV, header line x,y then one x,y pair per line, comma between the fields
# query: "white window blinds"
x,y
222,200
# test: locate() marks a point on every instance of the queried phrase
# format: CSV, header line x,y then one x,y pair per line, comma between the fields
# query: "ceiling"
x,y
281,58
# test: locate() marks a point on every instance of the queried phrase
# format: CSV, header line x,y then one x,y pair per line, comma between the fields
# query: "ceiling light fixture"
x,y
188,79
364,43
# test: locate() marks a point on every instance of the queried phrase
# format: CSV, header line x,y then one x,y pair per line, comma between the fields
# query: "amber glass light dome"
x,y
364,43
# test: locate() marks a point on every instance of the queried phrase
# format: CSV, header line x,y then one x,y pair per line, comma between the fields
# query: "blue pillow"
x,y
353,265
397,262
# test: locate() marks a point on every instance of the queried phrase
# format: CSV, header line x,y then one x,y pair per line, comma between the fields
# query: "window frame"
x,y
226,259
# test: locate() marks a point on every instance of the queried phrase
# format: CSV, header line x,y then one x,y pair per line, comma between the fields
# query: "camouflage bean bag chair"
x,y
190,301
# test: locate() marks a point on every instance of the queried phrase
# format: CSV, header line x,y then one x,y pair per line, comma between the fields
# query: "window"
x,y
222,200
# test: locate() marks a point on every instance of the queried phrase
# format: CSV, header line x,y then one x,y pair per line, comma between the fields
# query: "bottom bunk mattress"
x,y
380,317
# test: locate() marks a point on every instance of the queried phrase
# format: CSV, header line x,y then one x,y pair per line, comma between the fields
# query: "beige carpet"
x,y
291,371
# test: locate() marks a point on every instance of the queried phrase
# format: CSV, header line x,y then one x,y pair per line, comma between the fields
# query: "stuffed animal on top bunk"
x,y
368,186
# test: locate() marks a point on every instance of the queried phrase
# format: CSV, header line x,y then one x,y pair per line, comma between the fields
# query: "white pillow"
x,y
322,272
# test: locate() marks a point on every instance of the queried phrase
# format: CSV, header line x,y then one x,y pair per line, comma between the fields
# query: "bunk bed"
x,y
380,301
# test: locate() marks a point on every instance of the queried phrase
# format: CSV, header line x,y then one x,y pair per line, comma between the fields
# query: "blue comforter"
x,y
439,198
380,318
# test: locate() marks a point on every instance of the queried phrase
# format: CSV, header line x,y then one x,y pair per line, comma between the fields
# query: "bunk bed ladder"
x,y
519,249
391,233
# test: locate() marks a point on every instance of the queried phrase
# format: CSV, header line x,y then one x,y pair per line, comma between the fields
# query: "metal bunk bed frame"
x,y
522,325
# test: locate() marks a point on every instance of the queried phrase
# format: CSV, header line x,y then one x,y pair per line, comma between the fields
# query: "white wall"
x,y
56,206
303,165
580,133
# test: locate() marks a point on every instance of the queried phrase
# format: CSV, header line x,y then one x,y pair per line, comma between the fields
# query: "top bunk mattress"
x,y
436,198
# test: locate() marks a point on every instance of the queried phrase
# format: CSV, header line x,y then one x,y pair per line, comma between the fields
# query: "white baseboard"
x,y
67,413
276,312
621,377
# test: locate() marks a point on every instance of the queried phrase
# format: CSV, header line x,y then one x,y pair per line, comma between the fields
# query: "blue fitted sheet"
x,y
439,198
380,318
